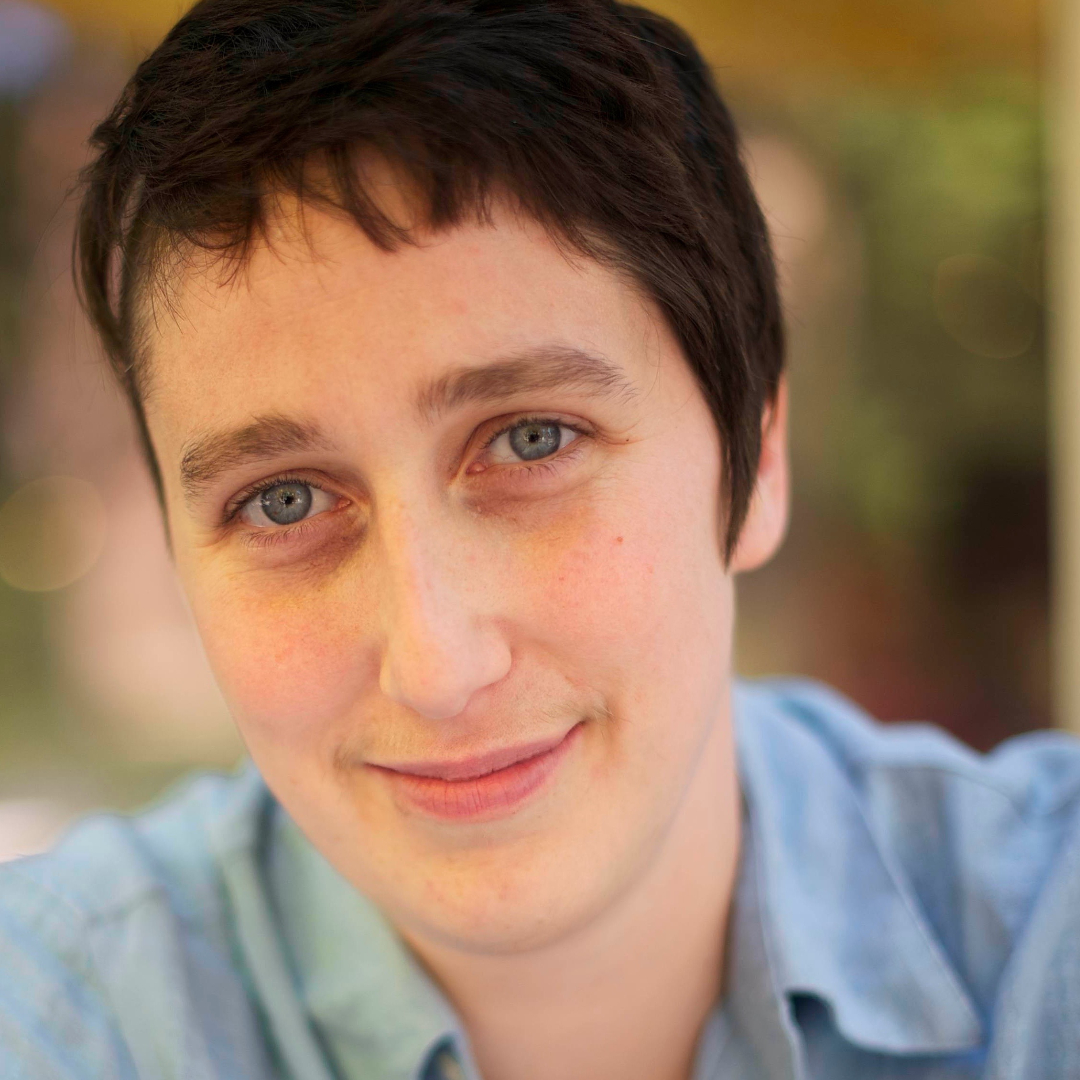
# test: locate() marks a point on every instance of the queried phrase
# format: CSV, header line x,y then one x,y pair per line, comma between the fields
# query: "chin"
x,y
514,913
520,896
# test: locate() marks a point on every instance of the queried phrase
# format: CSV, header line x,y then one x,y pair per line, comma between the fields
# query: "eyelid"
x,y
243,497
526,469
538,418
282,534
321,502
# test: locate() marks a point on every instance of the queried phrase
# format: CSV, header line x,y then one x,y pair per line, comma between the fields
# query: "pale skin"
x,y
445,598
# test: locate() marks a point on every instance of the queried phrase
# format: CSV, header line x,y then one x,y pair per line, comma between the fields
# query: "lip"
x,y
485,786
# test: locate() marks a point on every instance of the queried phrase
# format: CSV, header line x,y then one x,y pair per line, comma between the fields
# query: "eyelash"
x,y
285,534
268,537
240,500
536,466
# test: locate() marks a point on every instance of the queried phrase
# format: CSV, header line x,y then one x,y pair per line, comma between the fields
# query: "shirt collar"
x,y
328,971
377,1012
837,917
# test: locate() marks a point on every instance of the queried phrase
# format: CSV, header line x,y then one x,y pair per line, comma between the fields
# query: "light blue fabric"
x,y
905,909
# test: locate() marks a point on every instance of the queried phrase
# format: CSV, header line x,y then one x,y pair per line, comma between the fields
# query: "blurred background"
x,y
899,150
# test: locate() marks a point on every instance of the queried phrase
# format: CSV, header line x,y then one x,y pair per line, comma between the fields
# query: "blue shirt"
x,y
904,908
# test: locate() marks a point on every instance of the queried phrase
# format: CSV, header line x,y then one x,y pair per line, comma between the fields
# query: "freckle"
x,y
618,539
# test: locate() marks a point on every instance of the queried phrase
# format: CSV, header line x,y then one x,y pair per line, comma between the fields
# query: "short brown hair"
x,y
601,119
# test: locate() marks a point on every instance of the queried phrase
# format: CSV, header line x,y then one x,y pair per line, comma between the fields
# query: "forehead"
x,y
319,318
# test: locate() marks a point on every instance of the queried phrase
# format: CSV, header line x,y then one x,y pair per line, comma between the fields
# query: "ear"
x,y
767,519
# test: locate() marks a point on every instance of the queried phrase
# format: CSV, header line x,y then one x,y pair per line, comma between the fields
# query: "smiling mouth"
x,y
486,786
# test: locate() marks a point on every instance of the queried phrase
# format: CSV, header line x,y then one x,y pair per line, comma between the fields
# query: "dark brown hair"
x,y
600,119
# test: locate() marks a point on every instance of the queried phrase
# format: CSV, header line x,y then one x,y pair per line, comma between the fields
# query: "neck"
x,y
628,994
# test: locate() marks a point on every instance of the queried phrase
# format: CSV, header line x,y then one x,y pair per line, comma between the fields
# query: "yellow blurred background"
x,y
898,147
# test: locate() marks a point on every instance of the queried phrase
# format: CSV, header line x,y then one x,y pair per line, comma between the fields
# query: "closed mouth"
x,y
487,785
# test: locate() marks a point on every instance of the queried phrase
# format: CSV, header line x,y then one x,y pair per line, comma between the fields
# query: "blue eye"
x,y
531,440
286,503
534,440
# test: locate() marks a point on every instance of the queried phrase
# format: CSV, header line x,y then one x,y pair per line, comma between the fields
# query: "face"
x,y
449,521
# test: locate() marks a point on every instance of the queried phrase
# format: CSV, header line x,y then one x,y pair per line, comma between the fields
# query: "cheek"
x,y
289,661
634,593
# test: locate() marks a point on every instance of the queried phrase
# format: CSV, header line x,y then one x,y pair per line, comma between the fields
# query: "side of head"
x,y
452,331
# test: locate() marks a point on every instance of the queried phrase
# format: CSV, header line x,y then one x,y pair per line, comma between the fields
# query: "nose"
x,y
440,647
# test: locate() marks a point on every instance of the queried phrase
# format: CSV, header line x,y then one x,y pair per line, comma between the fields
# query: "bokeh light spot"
x,y
52,531
984,308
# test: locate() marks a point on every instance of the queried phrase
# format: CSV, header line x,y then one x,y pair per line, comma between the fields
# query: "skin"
x,y
448,599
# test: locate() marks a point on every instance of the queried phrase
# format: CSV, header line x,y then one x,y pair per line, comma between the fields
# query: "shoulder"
x,y
984,848
108,866
1032,779
112,927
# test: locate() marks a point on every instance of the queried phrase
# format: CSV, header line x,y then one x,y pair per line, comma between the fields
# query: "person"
x,y
452,332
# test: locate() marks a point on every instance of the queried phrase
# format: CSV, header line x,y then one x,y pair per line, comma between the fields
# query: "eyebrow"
x,y
547,368
206,457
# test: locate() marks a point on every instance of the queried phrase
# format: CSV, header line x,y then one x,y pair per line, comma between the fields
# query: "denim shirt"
x,y
904,908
